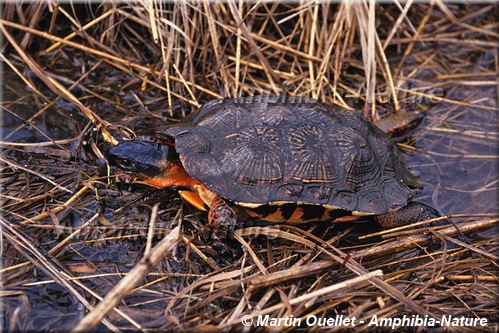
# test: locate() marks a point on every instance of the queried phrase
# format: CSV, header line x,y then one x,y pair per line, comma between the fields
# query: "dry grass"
x,y
79,251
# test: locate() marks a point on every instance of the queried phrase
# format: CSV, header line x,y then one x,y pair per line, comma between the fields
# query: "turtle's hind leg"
x,y
411,213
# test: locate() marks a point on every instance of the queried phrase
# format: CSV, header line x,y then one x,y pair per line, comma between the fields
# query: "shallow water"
x,y
457,154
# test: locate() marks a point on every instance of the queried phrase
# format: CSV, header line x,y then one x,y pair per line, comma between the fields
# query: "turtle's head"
x,y
150,162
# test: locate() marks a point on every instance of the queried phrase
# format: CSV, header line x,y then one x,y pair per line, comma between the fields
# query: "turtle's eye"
x,y
125,164
132,165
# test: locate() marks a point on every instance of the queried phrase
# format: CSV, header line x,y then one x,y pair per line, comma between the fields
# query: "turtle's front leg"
x,y
222,218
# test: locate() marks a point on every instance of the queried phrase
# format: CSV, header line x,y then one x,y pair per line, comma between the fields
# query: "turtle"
x,y
282,160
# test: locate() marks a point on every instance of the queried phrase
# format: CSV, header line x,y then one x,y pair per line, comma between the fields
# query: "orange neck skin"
x,y
174,175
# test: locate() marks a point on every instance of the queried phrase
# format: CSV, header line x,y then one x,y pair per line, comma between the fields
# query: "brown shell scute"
x,y
248,155
311,154
263,153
